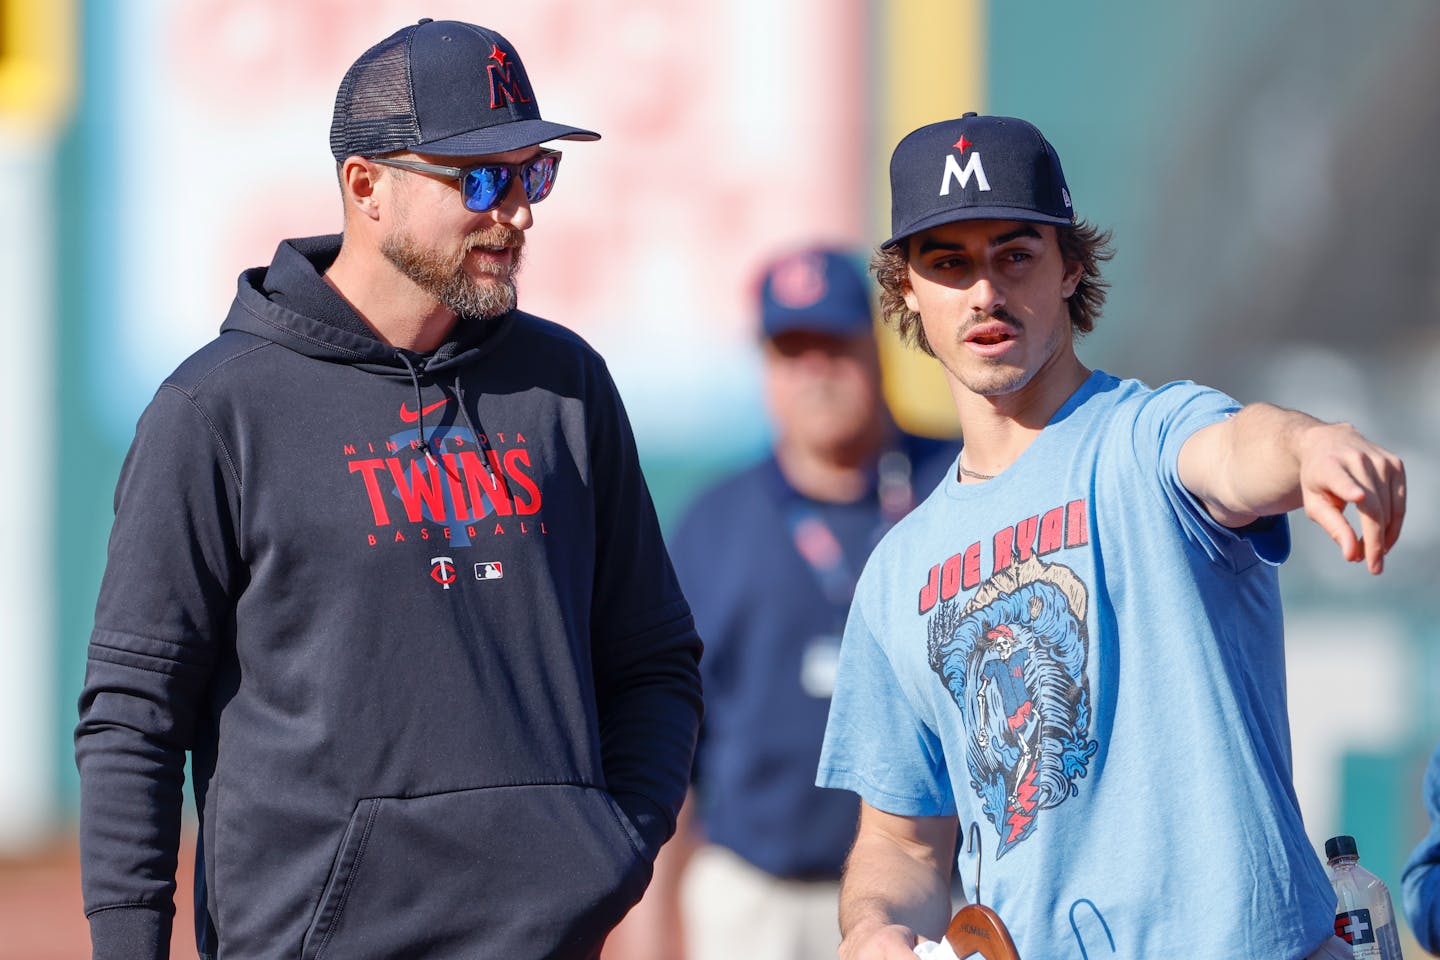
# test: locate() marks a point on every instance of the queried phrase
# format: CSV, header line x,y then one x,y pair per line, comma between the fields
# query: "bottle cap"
x,y
1343,846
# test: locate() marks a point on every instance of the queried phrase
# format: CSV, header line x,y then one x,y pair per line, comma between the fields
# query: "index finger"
x,y
1373,505
1397,506
1372,534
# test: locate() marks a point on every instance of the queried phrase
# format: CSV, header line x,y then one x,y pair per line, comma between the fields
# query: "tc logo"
x,y
1354,927
493,570
442,571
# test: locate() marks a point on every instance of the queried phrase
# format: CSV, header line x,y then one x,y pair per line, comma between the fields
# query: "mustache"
x,y
497,235
1001,314
998,314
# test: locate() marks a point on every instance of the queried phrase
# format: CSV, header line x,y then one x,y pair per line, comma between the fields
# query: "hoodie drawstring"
x,y
459,395
419,403
480,438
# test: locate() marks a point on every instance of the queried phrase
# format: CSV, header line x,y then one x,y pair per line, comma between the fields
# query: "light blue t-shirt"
x,y
1075,655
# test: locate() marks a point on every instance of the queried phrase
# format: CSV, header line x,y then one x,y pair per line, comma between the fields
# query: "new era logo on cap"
x,y
975,168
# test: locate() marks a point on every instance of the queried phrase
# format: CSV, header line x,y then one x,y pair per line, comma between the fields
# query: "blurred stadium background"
x,y
1267,169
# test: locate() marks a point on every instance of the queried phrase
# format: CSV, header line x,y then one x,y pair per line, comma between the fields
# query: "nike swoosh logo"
x,y
409,416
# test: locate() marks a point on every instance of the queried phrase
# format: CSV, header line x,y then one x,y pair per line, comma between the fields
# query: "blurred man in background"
x,y
385,566
768,558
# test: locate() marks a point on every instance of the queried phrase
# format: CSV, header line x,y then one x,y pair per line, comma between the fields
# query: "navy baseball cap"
x,y
442,87
975,168
817,289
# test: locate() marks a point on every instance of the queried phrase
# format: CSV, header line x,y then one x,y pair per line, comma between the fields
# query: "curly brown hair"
x,y
1083,243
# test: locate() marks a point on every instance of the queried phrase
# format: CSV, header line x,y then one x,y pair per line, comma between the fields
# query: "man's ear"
x,y
908,292
1074,271
359,183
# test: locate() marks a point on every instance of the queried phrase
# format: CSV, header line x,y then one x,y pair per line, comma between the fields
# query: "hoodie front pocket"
x,y
337,887
528,871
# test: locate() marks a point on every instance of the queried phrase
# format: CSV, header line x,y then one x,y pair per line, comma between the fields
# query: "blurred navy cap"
x,y
975,168
817,289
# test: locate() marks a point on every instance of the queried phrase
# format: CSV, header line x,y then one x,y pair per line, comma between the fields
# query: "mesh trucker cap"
x,y
440,87
975,168
818,290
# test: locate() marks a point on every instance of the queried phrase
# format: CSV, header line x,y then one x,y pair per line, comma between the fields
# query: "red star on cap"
x,y
497,54
962,144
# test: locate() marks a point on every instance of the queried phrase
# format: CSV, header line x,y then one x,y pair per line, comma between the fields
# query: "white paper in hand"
x,y
935,950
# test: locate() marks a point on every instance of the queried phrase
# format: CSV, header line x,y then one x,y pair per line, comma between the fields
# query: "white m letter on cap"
x,y
953,169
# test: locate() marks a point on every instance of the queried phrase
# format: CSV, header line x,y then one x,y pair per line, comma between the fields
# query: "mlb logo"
x,y
493,570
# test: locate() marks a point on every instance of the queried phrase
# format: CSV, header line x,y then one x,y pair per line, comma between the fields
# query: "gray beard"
x,y
445,279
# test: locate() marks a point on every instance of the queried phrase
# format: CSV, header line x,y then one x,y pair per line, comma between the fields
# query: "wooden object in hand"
x,y
976,929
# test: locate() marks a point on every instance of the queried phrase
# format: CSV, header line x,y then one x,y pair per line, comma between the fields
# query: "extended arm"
x,y
1268,460
896,885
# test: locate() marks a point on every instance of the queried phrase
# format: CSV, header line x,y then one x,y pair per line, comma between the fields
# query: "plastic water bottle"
x,y
1364,917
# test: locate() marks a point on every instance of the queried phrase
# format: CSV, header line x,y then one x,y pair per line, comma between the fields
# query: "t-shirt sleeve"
x,y
1168,417
875,744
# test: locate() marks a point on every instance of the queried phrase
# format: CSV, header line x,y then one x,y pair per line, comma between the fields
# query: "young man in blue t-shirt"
x,y
1076,640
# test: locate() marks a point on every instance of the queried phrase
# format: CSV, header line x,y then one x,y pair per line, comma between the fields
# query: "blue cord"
x,y
1076,928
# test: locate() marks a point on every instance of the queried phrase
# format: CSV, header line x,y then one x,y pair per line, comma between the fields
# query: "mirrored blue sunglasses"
x,y
483,186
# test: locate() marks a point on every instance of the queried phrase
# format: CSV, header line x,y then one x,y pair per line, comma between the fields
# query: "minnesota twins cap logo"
x,y
975,168
961,174
799,281
505,86
817,289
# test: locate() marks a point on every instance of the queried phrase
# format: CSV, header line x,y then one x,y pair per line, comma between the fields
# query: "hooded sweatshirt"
x,y
411,618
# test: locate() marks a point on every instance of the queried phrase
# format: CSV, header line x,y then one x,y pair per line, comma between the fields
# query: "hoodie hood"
x,y
269,299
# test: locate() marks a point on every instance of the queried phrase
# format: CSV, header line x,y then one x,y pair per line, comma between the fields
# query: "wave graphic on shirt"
x,y
1014,661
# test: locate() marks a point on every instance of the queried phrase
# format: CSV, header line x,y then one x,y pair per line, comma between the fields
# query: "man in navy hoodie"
x,y
385,567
